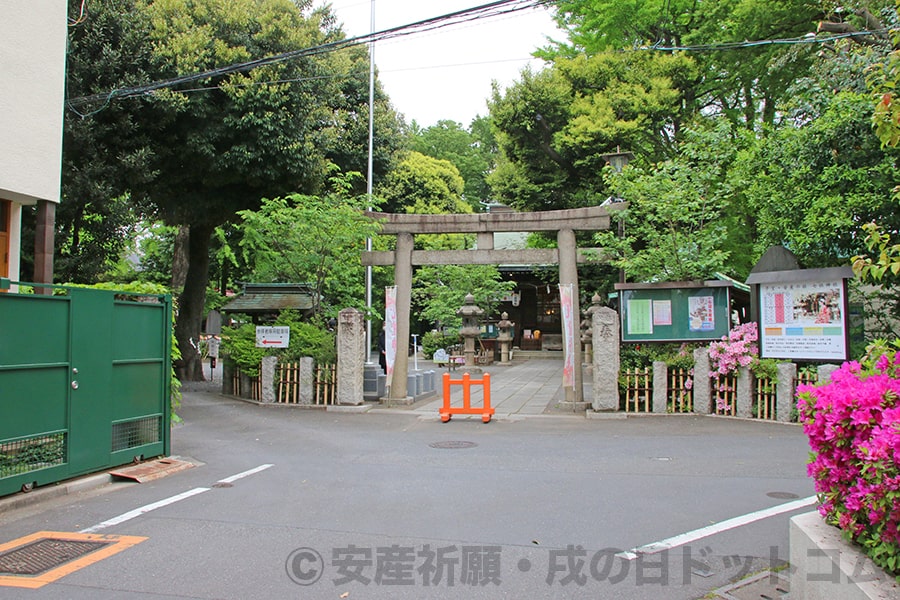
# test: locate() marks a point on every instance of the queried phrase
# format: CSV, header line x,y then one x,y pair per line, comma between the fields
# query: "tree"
x,y
742,74
555,128
242,135
105,152
673,226
311,239
447,140
440,291
424,185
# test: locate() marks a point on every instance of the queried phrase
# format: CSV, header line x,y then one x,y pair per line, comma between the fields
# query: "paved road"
x,y
549,506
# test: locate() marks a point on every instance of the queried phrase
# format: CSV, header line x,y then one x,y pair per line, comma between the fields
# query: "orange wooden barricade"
x,y
467,409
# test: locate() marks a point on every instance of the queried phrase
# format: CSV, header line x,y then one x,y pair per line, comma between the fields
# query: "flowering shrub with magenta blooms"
x,y
853,425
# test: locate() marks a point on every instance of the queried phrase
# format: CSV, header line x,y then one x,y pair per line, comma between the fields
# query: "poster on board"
x,y
803,320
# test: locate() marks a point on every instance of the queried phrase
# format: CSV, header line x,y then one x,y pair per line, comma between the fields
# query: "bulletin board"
x,y
674,313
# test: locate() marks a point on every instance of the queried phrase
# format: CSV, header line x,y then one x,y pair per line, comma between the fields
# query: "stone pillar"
x,y
403,281
45,228
267,381
351,355
660,386
744,397
606,359
701,381
784,391
568,273
307,380
823,372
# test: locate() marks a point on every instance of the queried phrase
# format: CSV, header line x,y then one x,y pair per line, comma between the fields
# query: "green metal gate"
x,y
84,382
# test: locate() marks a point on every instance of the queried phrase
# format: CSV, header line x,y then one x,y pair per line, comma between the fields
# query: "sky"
x,y
447,73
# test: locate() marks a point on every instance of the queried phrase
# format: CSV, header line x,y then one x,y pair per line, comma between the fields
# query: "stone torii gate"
x,y
405,226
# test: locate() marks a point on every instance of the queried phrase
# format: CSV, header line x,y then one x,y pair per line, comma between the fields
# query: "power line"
x,y
492,9
809,38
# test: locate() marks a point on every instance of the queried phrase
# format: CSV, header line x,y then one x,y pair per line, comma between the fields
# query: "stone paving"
x,y
524,387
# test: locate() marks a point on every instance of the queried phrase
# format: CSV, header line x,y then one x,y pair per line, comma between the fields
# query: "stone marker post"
x,y
606,359
351,356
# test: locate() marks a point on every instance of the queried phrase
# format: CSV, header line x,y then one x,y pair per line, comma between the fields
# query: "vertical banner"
x,y
567,304
390,327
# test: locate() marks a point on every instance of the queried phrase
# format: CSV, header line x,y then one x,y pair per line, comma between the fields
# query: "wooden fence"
x,y
289,385
680,391
638,390
637,393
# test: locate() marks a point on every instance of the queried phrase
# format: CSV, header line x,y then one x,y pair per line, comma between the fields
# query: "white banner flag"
x,y
390,328
567,304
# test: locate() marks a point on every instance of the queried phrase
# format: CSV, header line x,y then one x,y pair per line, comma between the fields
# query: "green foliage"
x,y
424,185
42,452
554,128
673,227
434,340
439,291
307,339
314,239
638,356
447,140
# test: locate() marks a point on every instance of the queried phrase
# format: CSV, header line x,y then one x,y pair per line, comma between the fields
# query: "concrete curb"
x,y
824,565
57,490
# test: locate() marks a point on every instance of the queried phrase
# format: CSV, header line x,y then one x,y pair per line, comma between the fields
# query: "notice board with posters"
x,y
675,311
803,313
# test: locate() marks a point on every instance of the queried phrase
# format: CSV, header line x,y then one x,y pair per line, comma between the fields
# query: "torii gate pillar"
x,y
403,281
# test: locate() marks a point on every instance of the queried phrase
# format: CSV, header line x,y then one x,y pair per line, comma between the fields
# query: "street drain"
x,y
41,556
782,495
764,586
452,445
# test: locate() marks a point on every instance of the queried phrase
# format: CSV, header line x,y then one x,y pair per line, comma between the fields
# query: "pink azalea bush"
x,y
853,425
737,349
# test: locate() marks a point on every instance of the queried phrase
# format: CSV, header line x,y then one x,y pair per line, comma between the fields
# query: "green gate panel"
x,y
136,389
137,326
34,330
84,382
33,401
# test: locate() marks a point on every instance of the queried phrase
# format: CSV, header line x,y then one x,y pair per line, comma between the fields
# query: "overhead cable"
x,y
484,11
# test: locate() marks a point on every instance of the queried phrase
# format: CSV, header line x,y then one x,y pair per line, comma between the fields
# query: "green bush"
x,y
433,340
307,339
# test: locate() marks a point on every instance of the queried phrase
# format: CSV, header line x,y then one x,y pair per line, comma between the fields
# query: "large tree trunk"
x,y
191,302
180,258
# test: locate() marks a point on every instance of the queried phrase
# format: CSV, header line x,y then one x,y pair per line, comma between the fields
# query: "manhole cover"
x,y
782,495
453,445
767,585
41,556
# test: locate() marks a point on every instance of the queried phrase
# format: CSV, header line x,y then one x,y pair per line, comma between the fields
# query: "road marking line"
x,y
170,500
253,471
691,536
144,509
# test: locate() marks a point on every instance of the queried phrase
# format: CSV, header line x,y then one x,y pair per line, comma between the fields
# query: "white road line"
x,y
144,509
167,501
253,471
690,536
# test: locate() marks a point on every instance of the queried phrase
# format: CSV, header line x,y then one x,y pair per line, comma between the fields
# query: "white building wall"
x,y
33,38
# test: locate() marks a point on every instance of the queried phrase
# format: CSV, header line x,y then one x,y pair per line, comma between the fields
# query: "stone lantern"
x,y
470,329
505,336
587,332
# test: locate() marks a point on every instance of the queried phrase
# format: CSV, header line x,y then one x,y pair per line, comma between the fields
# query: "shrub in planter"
x,y
853,425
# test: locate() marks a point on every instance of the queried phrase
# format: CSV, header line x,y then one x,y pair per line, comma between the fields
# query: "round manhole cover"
x,y
782,495
453,445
